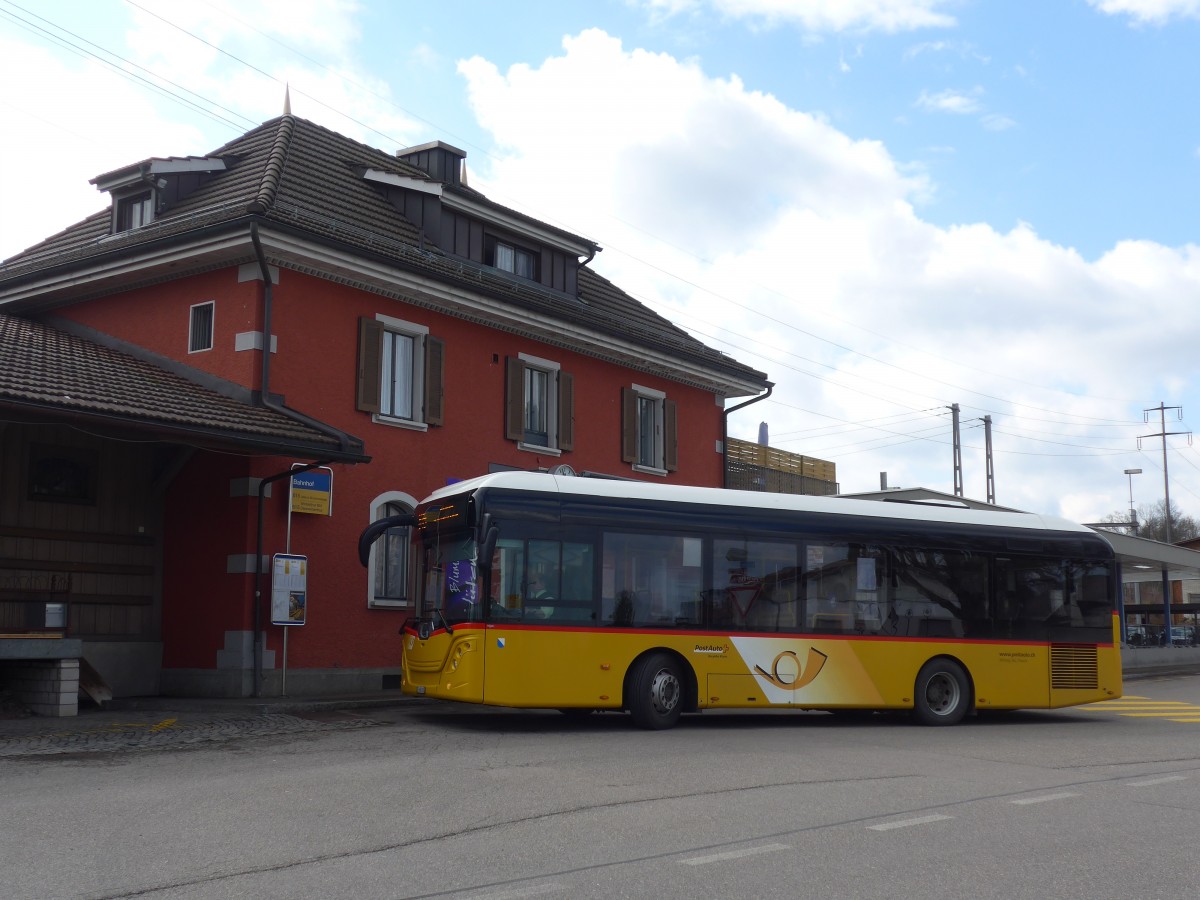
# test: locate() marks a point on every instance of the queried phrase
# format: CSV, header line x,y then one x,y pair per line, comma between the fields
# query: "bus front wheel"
x,y
656,692
943,693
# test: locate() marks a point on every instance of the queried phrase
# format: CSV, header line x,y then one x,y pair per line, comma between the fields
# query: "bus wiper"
x,y
441,615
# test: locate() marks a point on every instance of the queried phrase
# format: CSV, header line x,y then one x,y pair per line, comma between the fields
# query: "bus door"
x,y
542,607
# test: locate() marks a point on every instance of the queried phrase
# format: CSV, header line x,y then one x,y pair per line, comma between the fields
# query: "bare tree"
x,y
1152,523
1117,520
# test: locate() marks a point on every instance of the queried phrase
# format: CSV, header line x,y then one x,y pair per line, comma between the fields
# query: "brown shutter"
x,y
514,402
670,436
628,425
370,362
566,411
435,367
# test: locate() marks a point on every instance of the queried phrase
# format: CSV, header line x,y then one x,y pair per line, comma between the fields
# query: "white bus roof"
x,y
642,490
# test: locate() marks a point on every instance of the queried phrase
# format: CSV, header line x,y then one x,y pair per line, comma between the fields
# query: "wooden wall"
x,y
79,512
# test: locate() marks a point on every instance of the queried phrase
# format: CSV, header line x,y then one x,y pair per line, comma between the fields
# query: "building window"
x,y
511,258
390,564
135,211
62,474
539,389
200,327
540,405
400,377
400,372
649,430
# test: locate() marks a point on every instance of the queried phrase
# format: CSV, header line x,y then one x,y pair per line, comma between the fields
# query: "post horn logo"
x,y
787,673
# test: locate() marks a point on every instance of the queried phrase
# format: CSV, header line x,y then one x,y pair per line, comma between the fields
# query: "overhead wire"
x,y
643,262
1089,421
128,75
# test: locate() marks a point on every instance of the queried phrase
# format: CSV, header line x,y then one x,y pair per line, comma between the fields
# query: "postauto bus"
x,y
581,594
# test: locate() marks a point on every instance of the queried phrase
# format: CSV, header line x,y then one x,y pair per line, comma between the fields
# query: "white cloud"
x,y
997,122
951,101
798,250
825,15
79,118
1154,12
772,234
308,44
69,134
961,49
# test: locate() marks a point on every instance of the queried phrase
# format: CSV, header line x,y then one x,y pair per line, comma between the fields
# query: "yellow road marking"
x,y
1135,701
1153,715
1135,707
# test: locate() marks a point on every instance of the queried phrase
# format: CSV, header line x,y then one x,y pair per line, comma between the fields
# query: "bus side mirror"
x,y
372,532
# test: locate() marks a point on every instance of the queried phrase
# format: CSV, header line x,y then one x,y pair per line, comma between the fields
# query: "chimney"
x,y
762,434
883,481
438,160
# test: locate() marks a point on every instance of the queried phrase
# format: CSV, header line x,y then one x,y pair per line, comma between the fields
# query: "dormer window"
x,y
135,210
510,258
149,188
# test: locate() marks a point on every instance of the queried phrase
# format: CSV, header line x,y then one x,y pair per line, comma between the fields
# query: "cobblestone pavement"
x,y
101,731
156,733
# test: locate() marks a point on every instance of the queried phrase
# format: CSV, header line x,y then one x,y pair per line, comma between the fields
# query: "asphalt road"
x,y
443,801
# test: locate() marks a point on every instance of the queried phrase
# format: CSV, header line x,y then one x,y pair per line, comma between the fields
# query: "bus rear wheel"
x,y
943,693
656,692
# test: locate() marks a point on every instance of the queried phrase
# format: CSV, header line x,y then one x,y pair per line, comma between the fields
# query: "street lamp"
x,y
1132,511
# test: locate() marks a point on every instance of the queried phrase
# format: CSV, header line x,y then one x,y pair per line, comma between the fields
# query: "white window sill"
x,y
534,448
389,604
650,470
392,421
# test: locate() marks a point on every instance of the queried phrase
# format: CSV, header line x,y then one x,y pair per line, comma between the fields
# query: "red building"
x,y
417,333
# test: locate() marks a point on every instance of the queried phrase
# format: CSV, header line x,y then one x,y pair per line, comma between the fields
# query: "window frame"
x,y
559,405
664,447
496,246
376,369
133,210
378,509
194,320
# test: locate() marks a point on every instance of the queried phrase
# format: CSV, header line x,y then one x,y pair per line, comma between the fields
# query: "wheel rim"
x,y
664,691
942,694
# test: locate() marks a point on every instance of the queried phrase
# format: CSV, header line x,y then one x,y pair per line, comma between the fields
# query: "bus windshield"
x,y
449,578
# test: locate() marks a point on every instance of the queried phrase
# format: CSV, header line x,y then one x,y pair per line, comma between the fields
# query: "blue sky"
x,y
889,206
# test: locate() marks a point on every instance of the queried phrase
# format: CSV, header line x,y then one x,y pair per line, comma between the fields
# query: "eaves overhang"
x,y
171,256
1145,560
228,243
407,182
500,217
148,169
385,277
210,438
492,214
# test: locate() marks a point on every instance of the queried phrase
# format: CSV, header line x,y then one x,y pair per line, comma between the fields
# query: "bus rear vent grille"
x,y
430,665
1073,668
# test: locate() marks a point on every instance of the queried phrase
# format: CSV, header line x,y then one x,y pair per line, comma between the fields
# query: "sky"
x,y
891,207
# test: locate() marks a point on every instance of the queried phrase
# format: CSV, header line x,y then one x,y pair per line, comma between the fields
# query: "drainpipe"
x,y
725,431
267,401
265,389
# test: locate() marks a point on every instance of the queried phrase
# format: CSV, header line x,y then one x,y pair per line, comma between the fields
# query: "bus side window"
x,y
754,584
649,579
1094,602
828,587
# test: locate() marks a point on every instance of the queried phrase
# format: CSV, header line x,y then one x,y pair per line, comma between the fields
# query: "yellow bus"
x,y
580,594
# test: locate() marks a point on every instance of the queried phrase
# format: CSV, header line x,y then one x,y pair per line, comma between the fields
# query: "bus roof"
x,y
642,490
